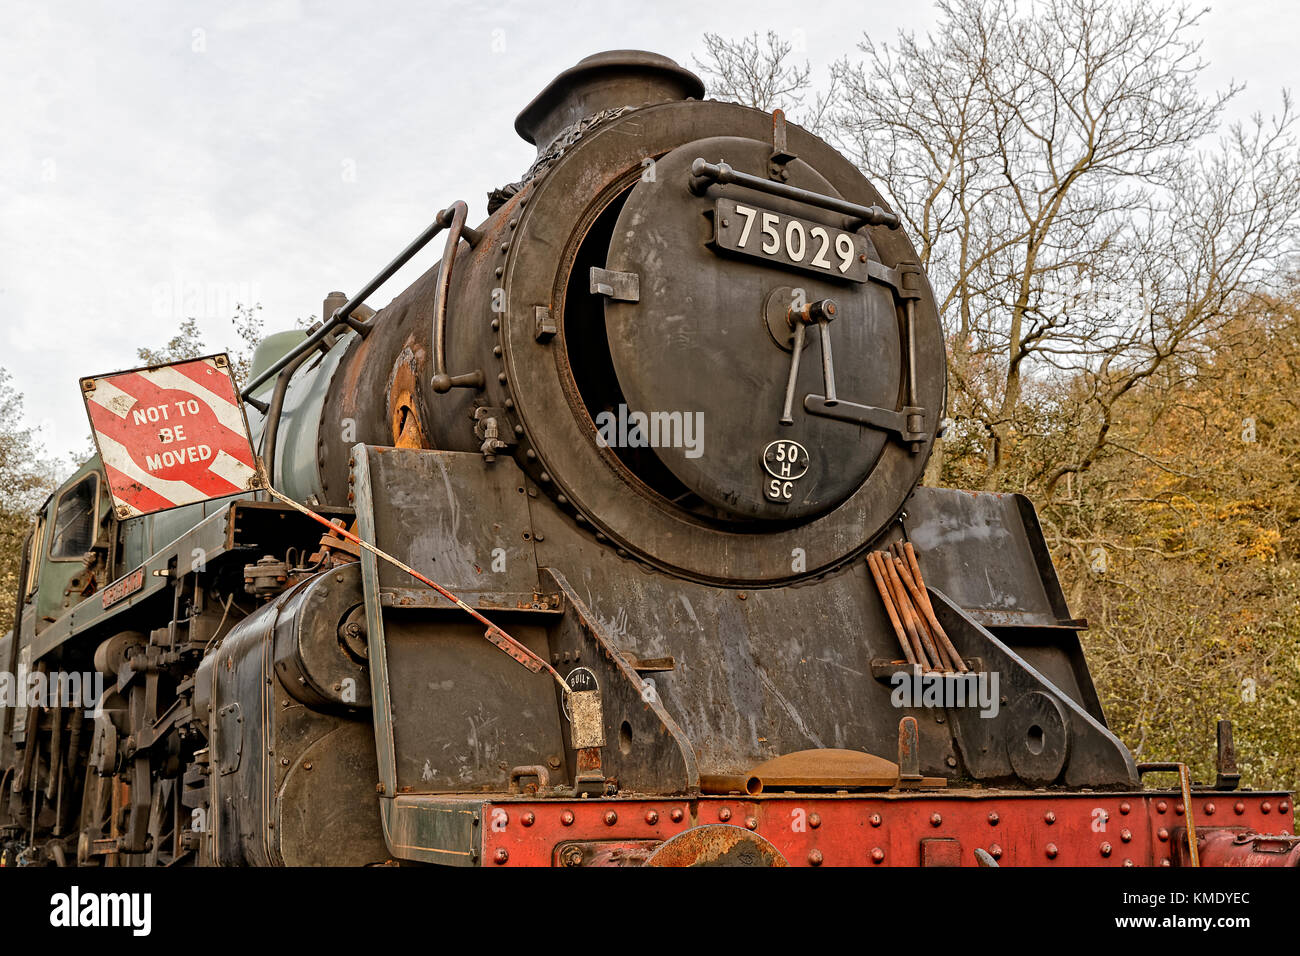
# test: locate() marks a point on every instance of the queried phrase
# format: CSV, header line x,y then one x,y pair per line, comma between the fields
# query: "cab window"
x,y
35,548
74,520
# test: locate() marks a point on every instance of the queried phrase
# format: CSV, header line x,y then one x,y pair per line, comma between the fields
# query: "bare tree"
x,y
760,72
1045,161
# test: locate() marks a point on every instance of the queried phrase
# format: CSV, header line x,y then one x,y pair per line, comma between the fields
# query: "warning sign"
x,y
171,435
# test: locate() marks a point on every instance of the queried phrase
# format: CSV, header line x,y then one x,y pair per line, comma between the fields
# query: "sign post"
x,y
171,435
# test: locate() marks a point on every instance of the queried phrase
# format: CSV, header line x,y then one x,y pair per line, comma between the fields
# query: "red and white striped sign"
x,y
171,435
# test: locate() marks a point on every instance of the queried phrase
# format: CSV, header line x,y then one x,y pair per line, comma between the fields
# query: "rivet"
x,y
814,820
501,855
1162,835
724,814
1050,817
502,378
875,820
1178,809
1161,806
499,271
935,819
1165,862
1238,808
566,818
1051,851
1125,807
496,324
505,247
528,819
1126,835
512,223
611,818
284,761
993,819
1266,807
1283,807
1209,809
995,851
496,350
877,855
751,823
815,858
1105,849
651,817
676,814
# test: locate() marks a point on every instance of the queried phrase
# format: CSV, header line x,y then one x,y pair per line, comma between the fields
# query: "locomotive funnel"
x,y
604,81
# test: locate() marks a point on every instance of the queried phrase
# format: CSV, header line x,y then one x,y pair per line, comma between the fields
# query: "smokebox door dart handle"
x,y
787,416
821,312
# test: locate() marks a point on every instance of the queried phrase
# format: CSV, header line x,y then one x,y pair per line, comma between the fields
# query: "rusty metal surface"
x,y
901,828
717,845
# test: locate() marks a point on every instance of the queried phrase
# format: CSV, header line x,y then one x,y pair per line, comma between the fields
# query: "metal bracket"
x,y
781,155
544,327
619,286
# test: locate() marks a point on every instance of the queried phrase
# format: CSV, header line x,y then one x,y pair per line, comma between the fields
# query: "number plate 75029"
x,y
789,241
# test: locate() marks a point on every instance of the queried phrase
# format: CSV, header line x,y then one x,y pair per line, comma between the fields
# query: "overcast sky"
x,y
166,159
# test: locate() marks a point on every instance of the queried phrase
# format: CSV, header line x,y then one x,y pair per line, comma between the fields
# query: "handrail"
x,y
703,173
442,382
343,315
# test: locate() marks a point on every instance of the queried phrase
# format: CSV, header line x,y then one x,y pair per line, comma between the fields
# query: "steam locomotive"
x,y
661,419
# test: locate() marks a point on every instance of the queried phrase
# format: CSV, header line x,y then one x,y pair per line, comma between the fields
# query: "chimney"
x,y
600,82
